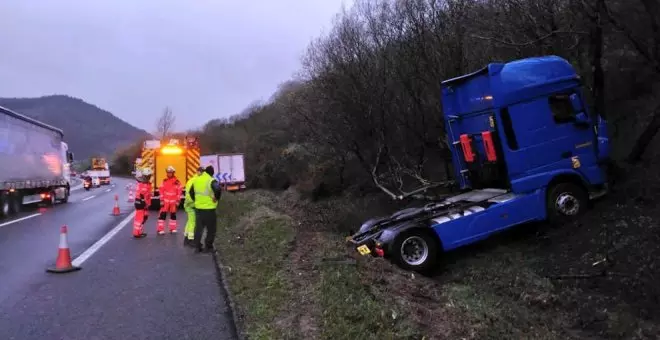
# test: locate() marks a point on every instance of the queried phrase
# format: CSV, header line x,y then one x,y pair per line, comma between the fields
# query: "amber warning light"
x,y
171,150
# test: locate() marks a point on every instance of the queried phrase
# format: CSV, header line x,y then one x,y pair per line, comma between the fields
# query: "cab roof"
x,y
503,84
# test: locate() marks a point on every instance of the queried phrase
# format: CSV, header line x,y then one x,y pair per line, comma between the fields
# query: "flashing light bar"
x,y
171,150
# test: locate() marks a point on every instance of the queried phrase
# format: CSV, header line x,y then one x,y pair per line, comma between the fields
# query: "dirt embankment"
x,y
293,277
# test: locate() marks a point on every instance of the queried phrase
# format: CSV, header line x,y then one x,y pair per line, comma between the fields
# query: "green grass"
x,y
351,310
253,242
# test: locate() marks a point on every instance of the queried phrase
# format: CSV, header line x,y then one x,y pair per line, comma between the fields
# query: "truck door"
x,y
547,134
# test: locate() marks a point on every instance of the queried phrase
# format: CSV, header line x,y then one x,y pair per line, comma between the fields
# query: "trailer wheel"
x,y
15,203
415,250
566,201
51,198
66,196
5,205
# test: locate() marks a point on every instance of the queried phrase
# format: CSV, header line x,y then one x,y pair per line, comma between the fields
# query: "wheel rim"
x,y
567,204
414,250
5,208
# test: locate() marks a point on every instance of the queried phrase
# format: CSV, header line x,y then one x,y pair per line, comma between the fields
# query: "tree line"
x,y
365,110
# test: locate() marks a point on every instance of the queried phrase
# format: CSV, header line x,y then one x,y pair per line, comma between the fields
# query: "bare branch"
x,y
165,123
531,42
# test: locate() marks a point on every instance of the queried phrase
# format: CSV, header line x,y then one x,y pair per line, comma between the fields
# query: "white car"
x,y
96,182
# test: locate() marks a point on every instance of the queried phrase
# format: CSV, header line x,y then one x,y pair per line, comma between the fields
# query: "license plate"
x,y
233,187
364,250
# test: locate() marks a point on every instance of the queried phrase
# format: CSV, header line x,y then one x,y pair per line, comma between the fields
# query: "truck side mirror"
x,y
576,102
69,157
582,120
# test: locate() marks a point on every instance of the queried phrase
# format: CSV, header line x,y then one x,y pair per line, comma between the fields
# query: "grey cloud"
x,y
206,59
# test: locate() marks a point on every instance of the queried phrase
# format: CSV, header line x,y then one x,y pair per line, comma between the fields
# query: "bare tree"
x,y
165,123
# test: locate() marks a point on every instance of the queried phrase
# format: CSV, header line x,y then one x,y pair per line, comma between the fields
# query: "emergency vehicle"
x,y
182,154
524,148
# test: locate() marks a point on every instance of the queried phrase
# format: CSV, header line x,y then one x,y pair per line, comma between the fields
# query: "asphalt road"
x,y
151,288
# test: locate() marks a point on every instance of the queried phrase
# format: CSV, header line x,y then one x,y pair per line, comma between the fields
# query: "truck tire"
x,y
5,205
566,202
16,203
51,201
415,250
66,196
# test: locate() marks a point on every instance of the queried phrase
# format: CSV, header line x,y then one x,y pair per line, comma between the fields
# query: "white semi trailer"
x,y
229,169
34,163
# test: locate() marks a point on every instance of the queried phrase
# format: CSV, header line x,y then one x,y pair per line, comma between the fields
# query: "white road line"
x,y
107,190
19,219
96,246
87,198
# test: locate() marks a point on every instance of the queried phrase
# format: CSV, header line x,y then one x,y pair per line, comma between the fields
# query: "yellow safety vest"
x,y
204,193
188,186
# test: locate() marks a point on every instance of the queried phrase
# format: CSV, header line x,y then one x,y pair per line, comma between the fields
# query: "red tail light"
x,y
466,144
378,250
489,146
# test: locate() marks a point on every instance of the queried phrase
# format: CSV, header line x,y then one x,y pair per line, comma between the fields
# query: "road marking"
x,y
88,198
107,190
19,219
96,246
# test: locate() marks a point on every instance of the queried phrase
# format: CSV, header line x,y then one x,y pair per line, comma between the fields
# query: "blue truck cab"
x,y
524,148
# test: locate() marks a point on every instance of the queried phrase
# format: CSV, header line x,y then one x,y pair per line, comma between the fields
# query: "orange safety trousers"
x,y
142,195
170,193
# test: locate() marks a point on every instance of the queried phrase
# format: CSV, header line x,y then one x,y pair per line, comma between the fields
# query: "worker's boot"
x,y
172,227
161,227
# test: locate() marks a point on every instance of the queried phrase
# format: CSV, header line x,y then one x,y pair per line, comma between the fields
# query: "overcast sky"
x,y
204,58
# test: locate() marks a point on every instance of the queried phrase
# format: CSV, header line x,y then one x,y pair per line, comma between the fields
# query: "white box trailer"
x,y
229,169
34,163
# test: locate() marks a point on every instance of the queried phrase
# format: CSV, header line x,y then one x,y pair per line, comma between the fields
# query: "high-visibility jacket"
x,y
188,186
170,190
145,190
204,195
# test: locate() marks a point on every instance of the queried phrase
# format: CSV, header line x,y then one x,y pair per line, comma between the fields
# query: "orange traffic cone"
x,y
131,197
115,210
63,263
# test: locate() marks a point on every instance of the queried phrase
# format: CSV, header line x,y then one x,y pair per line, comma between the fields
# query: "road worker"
x,y
189,206
143,192
205,193
170,195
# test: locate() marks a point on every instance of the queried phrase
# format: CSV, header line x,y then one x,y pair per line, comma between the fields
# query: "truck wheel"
x,y
51,198
415,250
566,201
15,203
5,205
66,196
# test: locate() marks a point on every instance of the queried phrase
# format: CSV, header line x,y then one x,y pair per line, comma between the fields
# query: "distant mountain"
x,y
89,130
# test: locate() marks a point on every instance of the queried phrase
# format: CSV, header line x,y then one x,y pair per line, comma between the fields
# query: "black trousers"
x,y
205,219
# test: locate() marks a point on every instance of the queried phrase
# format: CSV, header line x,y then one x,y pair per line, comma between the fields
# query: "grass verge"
x,y
354,308
252,241
283,288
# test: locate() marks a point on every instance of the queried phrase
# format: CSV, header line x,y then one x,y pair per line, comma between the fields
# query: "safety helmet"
x,y
170,169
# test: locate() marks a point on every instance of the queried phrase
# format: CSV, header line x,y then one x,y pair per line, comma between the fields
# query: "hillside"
x,y
88,129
